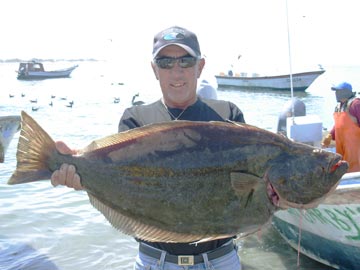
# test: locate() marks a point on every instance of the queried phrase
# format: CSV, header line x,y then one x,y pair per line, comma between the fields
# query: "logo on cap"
x,y
173,36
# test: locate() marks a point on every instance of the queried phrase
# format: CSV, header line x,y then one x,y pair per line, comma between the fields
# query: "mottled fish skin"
x,y
9,125
184,181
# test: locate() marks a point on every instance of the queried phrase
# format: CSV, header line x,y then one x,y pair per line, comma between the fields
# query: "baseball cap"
x,y
179,36
342,86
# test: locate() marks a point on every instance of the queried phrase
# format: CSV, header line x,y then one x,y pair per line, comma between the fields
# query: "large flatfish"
x,y
185,181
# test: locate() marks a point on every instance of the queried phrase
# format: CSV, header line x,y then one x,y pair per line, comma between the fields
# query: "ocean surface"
x,y
47,228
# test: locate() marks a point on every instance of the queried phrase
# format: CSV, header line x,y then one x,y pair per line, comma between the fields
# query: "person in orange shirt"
x,y
346,130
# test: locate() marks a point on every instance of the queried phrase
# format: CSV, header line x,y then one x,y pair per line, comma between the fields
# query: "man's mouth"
x,y
177,85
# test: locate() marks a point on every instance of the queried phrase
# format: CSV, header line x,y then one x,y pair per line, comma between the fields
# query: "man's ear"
x,y
200,67
155,70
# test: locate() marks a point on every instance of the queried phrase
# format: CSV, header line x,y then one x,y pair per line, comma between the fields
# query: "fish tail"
x,y
34,152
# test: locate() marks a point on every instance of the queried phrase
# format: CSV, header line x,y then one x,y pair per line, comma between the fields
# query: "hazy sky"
x,y
321,31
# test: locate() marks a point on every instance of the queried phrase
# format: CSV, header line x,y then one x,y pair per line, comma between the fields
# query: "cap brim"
x,y
345,89
185,47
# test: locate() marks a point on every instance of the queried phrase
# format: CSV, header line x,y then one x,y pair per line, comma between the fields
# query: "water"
x,y
46,228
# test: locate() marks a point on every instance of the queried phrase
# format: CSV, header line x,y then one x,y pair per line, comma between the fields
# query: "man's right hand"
x,y
66,175
326,141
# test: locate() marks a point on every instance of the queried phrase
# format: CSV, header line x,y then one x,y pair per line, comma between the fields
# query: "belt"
x,y
186,259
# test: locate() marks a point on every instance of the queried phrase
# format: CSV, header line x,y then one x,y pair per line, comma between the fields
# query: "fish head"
x,y
305,176
9,125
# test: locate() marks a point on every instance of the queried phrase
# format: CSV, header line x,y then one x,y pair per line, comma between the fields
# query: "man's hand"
x,y
67,175
327,140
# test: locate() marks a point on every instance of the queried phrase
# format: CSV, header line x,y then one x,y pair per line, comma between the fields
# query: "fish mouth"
x,y
336,163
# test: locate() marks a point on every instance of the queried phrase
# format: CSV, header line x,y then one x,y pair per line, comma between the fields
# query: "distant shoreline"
x,y
18,60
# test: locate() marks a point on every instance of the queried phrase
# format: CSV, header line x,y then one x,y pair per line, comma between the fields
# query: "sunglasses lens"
x,y
168,62
187,61
165,63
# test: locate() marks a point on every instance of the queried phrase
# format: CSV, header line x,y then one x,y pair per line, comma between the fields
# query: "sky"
x,y
270,35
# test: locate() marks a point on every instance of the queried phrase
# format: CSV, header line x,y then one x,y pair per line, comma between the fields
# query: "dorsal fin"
x,y
136,133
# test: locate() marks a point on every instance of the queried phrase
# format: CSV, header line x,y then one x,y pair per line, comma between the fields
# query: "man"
x,y
177,65
346,131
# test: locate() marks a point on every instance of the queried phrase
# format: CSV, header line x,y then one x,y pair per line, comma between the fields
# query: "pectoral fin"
x,y
244,183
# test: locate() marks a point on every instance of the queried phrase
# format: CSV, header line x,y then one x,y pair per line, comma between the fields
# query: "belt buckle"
x,y
186,260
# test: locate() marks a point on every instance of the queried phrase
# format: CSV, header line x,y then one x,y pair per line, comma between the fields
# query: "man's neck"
x,y
179,105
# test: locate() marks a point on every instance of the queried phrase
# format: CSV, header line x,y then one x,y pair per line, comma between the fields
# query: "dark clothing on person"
x,y
201,110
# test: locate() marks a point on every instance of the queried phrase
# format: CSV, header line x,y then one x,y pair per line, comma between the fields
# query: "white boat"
x,y
329,233
35,71
9,125
301,81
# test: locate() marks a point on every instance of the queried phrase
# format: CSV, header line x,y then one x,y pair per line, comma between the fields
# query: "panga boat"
x,y
301,81
35,71
330,233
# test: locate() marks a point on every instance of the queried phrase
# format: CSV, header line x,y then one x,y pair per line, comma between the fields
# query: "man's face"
x,y
343,95
178,84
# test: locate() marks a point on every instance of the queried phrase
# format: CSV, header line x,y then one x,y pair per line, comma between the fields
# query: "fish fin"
x,y
243,183
121,138
130,226
116,146
346,195
232,122
241,124
34,148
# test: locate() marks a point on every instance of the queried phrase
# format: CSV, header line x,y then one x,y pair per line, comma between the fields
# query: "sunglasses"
x,y
169,62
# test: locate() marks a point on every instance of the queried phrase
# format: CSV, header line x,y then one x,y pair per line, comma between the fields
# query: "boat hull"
x,y
39,75
329,234
301,81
